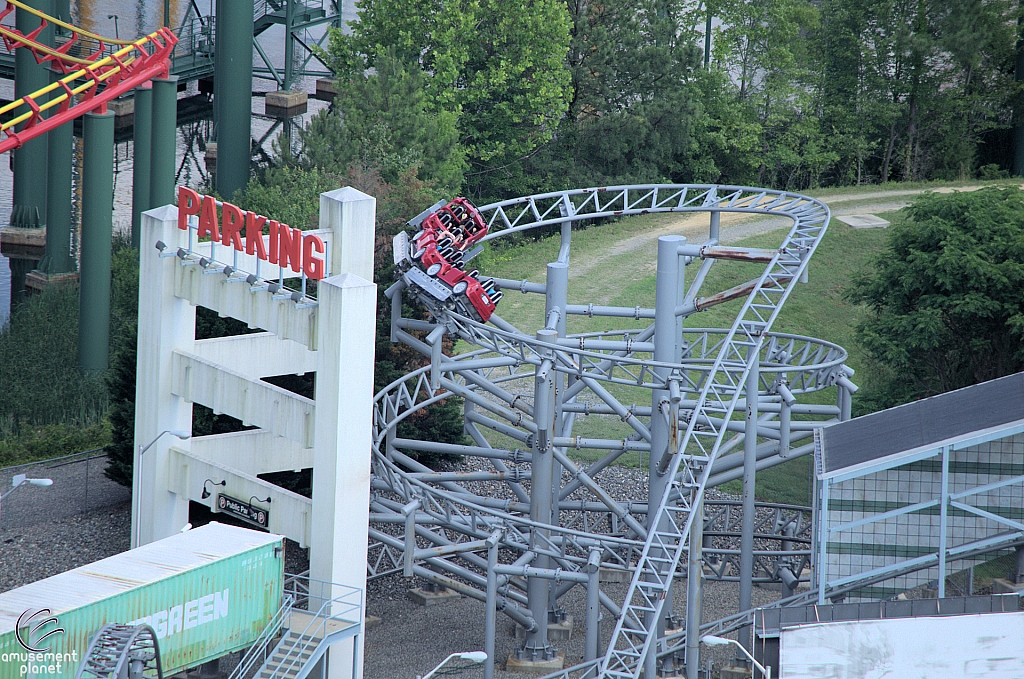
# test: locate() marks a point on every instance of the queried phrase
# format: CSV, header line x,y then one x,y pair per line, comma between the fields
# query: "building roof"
x,y
891,437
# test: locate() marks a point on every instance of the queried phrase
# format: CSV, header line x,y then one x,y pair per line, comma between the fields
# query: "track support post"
x,y
97,233
143,124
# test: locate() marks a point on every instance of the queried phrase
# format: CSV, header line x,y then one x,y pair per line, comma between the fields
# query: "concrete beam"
x,y
253,452
253,402
259,355
289,512
237,299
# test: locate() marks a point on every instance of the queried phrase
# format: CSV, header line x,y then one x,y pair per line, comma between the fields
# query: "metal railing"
x,y
79,486
264,646
332,603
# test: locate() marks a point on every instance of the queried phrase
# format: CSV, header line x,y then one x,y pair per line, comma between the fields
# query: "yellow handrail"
x,y
67,80
70,27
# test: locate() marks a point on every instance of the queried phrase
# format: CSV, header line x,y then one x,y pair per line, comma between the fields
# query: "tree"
x,y
383,119
947,296
497,65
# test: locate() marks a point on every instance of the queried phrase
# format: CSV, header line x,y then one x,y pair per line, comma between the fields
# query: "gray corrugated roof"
x,y
927,422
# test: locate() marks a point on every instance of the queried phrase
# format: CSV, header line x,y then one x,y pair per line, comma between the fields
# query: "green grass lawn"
x,y
604,271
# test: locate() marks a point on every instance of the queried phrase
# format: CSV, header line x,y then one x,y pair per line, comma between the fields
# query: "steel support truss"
x,y
525,392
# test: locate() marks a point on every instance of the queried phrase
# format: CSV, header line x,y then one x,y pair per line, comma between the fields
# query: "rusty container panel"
x,y
206,592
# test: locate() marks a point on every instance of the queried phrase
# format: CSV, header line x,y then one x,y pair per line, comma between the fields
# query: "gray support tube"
x,y
589,344
766,463
499,427
610,311
664,436
644,335
592,641
523,286
694,592
451,448
592,470
749,478
516,401
546,573
536,646
490,614
619,409
600,493
479,439
469,395
555,302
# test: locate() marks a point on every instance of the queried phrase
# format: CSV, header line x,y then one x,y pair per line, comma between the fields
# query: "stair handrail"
x,y
349,601
258,652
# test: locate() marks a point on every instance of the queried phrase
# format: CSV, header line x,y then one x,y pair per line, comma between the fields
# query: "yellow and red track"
x,y
93,74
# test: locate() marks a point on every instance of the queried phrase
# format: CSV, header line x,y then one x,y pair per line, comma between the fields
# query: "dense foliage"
x,y
947,297
797,94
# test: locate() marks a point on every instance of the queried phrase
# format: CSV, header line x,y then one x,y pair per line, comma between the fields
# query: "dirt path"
x,y
735,226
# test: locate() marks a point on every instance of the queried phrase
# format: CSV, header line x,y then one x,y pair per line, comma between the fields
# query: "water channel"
x,y
194,112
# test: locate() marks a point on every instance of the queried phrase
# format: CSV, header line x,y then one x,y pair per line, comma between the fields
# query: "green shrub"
x,y
40,383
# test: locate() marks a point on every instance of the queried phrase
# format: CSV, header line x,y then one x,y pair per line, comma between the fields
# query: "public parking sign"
x,y
243,510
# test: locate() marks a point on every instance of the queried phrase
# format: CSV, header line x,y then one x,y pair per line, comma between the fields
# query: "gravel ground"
x,y
410,639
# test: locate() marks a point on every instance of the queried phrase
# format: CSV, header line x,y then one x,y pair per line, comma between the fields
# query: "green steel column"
x,y
58,201
58,184
289,45
141,158
30,160
164,135
97,231
232,84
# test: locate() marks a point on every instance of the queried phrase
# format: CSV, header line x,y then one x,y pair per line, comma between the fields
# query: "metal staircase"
x,y
296,639
266,13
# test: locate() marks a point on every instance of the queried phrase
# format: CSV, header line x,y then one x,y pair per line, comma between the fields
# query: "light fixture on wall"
x,y
206,492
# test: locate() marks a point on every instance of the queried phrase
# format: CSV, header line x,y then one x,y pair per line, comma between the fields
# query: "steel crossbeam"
x,y
706,378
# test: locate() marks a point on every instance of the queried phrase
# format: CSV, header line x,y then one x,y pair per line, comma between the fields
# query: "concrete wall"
x,y
332,335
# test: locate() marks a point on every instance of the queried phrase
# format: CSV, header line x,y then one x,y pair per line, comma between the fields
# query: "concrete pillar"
x,y
341,458
350,214
232,83
30,160
142,158
166,323
97,232
344,407
749,477
164,137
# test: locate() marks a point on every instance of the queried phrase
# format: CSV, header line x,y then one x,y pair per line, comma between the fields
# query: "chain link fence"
x,y
79,486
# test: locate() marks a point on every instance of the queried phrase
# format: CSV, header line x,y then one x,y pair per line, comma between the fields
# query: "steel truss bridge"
x,y
193,55
721,406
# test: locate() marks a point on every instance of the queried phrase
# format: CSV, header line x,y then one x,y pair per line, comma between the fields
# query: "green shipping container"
x,y
206,592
